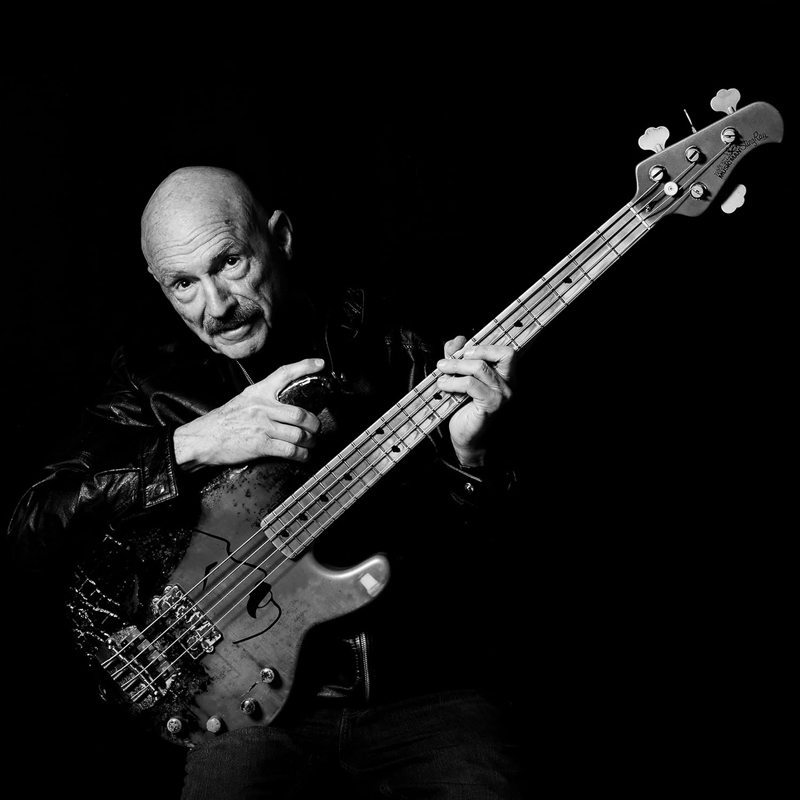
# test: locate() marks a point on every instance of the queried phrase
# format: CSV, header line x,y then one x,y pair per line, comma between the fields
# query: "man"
x,y
413,718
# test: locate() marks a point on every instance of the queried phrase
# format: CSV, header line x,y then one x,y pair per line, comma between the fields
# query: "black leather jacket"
x,y
121,468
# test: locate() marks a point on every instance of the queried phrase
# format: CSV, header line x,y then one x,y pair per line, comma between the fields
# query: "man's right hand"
x,y
252,425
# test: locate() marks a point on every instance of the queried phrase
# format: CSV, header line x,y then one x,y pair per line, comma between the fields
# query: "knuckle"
x,y
283,372
283,449
294,414
293,435
301,436
303,419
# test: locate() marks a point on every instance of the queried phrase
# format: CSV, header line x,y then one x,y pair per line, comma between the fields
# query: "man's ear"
x,y
280,228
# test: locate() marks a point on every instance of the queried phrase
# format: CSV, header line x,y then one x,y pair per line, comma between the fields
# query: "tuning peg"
x,y
654,139
725,100
735,200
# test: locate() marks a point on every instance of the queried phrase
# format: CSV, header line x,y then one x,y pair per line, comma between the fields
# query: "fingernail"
x,y
319,362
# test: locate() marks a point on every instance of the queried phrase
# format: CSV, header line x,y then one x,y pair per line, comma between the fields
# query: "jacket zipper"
x,y
362,640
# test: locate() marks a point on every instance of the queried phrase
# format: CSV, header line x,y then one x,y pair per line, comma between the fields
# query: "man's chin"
x,y
241,343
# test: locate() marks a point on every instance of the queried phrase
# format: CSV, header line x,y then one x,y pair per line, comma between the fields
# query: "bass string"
x,y
667,200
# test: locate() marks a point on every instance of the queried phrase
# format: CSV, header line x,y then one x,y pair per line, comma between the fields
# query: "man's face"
x,y
221,276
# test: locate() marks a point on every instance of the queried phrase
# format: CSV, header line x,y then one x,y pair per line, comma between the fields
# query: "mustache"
x,y
244,312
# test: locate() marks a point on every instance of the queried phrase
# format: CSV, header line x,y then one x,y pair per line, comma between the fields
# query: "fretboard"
x,y
304,514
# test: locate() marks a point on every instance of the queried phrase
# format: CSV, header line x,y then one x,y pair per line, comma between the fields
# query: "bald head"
x,y
217,256
192,193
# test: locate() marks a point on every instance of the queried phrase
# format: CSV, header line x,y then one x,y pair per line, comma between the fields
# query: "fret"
x,y
320,513
553,305
348,471
359,457
516,318
506,337
541,297
622,237
432,418
563,274
328,480
579,281
411,430
520,315
639,218
413,410
293,538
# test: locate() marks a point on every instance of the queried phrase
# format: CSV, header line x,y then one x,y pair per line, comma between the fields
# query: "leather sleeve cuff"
x,y
158,468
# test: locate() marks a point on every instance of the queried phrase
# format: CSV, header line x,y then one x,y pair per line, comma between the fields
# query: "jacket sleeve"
x,y
121,465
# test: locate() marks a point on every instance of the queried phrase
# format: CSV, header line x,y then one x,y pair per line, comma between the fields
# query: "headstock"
x,y
687,177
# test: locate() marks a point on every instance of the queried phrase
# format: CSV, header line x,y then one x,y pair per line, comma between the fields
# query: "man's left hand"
x,y
486,374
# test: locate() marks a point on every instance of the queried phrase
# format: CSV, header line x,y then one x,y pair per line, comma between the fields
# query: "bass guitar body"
x,y
197,629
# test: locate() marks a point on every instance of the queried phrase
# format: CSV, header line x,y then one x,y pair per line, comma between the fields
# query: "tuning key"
x,y
735,200
654,139
725,100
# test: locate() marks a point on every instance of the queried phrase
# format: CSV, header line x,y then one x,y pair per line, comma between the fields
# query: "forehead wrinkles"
x,y
206,239
182,216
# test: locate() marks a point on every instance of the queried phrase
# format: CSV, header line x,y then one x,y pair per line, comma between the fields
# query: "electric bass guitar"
x,y
169,622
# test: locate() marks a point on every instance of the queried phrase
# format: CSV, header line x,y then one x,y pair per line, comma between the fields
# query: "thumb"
x,y
284,375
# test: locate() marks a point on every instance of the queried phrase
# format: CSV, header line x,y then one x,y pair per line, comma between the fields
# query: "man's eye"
x,y
182,285
232,261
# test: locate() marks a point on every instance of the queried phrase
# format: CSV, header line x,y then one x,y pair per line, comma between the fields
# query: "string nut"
x,y
728,135
656,173
698,190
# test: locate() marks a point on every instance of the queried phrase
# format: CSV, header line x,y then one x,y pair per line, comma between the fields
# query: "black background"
x,y
454,177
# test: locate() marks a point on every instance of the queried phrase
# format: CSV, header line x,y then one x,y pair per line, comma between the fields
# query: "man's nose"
x,y
219,299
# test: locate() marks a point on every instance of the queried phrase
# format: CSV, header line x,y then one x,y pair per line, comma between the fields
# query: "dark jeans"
x,y
450,745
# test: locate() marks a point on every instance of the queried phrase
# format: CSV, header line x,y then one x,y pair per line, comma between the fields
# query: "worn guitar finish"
x,y
197,630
